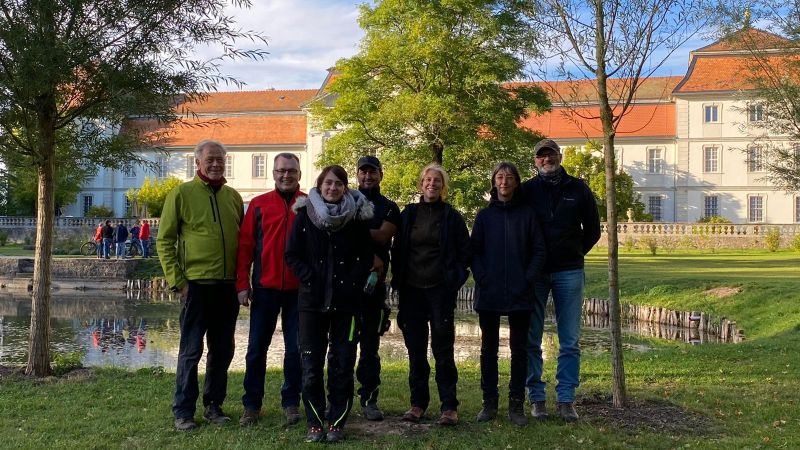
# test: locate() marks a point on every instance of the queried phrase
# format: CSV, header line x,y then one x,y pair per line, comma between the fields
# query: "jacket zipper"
x,y
285,238
215,205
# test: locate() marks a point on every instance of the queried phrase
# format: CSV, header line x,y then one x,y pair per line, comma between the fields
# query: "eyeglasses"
x,y
283,172
547,155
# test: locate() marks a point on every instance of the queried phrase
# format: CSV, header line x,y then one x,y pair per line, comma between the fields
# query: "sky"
x,y
306,37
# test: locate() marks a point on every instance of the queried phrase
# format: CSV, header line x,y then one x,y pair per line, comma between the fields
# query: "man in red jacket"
x,y
262,240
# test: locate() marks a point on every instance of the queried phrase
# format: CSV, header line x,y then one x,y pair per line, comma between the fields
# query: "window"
x,y
87,204
129,172
797,209
755,209
711,113
191,167
711,159
654,207
228,166
711,206
161,169
259,166
655,160
755,159
755,113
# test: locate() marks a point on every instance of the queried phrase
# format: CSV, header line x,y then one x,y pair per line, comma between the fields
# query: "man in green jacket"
x,y
197,243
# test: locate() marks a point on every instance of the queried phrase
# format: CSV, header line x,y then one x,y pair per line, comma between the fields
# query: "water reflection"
x,y
144,332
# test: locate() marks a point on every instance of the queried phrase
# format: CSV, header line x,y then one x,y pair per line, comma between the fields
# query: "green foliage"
x,y
589,167
773,239
796,243
427,85
3,238
713,219
65,362
629,244
650,243
100,211
152,193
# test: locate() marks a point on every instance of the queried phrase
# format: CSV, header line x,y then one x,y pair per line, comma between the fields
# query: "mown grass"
x,y
749,392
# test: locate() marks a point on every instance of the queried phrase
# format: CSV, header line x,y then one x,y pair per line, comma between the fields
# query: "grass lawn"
x,y
735,396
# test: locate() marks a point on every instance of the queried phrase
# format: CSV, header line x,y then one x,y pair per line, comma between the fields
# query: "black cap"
x,y
544,145
369,161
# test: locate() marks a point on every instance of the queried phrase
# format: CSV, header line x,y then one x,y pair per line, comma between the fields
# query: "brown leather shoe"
x,y
448,418
413,415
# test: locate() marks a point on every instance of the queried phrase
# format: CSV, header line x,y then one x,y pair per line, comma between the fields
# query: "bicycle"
x,y
89,248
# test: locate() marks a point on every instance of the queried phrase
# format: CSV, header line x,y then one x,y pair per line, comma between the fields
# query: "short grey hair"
x,y
198,150
286,155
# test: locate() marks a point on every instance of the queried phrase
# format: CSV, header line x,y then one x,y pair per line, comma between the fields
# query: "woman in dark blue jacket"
x,y
430,260
508,254
330,251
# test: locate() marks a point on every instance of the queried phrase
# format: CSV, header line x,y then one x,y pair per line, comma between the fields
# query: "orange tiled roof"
x,y
642,120
747,39
241,130
252,101
585,91
709,73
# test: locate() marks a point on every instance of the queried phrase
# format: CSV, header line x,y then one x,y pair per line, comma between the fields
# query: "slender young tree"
x,y
428,86
625,41
83,66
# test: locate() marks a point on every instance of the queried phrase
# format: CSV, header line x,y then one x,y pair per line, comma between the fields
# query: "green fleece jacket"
x,y
198,233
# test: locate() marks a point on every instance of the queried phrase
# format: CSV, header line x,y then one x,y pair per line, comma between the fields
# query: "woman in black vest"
x,y
330,251
430,259
508,254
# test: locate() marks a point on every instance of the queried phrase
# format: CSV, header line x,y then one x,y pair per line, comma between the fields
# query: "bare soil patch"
x,y
656,416
723,291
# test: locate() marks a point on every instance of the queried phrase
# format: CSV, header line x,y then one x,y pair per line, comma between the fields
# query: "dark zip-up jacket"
x,y
198,233
455,248
569,219
332,266
508,254
262,243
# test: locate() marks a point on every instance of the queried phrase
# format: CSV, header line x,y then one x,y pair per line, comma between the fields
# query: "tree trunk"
x,y
619,396
39,344
438,152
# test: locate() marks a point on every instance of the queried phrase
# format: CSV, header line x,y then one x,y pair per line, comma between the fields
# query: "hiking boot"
x,y
486,414
315,434
292,414
539,410
250,417
516,412
214,414
372,412
448,418
185,424
335,434
566,410
413,415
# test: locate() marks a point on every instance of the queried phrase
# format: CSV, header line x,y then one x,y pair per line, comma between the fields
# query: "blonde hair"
x,y
440,170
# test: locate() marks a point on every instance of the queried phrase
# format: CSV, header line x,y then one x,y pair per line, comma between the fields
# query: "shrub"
x,y
773,239
649,243
99,211
796,243
629,244
3,238
65,362
713,219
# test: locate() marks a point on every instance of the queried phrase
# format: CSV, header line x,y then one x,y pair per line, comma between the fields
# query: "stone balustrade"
x,y
700,229
69,222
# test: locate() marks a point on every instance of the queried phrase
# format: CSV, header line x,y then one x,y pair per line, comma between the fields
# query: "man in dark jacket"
x,y
108,237
373,314
262,242
567,210
120,236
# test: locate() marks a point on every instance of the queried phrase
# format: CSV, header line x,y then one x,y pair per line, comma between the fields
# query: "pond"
x,y
135,331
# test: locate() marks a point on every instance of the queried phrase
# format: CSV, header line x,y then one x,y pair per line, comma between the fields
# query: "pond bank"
x,y
16,273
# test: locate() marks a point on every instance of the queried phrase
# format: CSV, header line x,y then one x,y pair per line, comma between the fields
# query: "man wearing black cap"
x,y
567,210
374,311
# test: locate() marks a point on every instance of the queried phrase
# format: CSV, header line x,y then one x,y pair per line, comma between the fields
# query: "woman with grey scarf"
x,y
330,251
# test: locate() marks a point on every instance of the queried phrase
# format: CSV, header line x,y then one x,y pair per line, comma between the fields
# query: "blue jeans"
x,y
107,247
121,250
264,310
145,243
567,290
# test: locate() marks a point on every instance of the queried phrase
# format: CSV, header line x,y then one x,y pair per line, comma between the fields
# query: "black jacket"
x,y
332,266
508,254
108,232
455,248
568,215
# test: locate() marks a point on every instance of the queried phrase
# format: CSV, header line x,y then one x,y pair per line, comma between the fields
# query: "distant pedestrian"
x,y
120,236
108,238
135,242
144,237
98,239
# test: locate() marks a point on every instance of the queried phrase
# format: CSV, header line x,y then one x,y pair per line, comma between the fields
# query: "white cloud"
x,y
306,37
